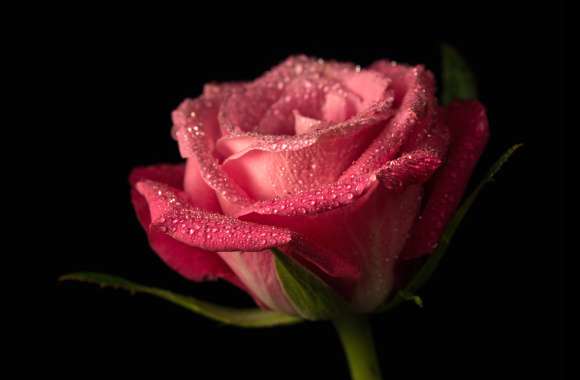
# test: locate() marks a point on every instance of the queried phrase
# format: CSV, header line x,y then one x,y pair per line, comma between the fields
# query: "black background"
x,y
492,310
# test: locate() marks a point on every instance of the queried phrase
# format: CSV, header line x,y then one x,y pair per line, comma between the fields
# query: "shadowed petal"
x,y
469,134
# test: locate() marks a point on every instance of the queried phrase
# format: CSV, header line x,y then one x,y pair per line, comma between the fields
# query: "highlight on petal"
x,y
197,188
468,125
172,214
369,85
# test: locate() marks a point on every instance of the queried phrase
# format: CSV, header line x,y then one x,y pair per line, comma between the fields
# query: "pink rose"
x,y
349,171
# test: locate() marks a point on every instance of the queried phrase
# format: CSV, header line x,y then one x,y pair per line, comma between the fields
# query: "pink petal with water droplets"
x,y
278,165
361,241
337,108
367,84
416,105
310,202
192,263
190,121
417,165
350,104
412,168
244,110
173,214
468,124
311,87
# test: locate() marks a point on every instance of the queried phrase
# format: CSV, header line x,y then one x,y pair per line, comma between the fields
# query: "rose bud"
x,y
350,172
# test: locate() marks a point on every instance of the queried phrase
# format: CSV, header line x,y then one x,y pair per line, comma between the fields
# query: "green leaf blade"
x,y
311,296
458,79
248,318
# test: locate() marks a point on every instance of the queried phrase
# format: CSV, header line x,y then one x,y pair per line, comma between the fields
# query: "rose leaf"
x,y
458,79
249,318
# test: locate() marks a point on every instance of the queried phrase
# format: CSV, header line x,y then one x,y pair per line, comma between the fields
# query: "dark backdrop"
x,y
492,310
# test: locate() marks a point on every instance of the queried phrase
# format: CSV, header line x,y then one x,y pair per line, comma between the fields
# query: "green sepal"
x,y
312,298
249,318
458,79
426,271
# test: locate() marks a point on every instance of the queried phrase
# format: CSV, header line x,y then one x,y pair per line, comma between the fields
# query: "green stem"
x,y
357,341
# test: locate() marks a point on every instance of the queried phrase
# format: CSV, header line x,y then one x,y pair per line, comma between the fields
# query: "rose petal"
x,y
273,162
306,95
469,134
277,165
313,87
257,270
303,124
368,85
192,263
414,97
198,189
309,202
413,168
361,241
418,164
170,174
190,120
243,112
172,213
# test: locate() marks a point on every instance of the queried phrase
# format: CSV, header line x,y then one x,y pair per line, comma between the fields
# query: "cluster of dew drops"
x,y
210,230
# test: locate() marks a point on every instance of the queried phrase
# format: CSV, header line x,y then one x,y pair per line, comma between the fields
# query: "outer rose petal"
x,y
192,263
174,218
172,213
415,167
362,241
469,134
422,158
